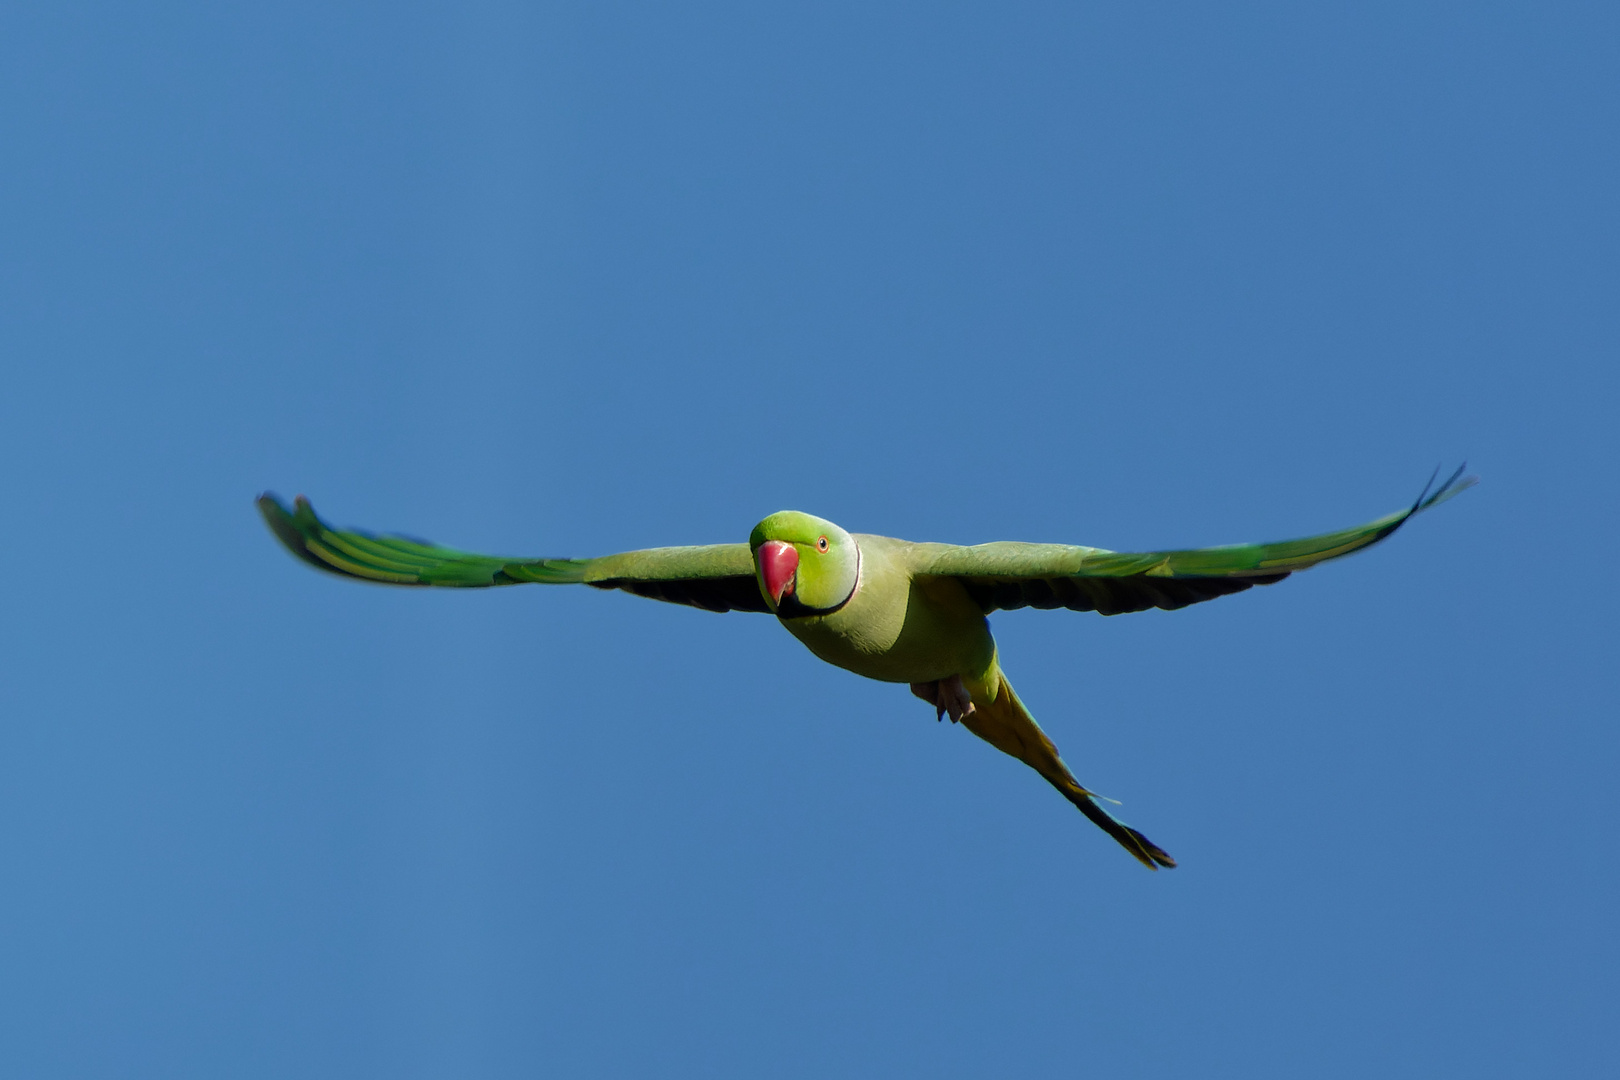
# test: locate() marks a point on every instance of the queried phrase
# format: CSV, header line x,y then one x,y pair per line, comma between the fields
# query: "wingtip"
x,y
271,508
1432,496
1459,482
287,526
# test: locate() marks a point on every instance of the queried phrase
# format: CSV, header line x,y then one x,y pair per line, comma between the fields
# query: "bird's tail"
x,y
1004,723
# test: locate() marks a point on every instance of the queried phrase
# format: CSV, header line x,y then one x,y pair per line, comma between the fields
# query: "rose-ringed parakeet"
x,y
888,609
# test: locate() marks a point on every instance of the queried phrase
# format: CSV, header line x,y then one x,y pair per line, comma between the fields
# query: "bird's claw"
x,y
948,697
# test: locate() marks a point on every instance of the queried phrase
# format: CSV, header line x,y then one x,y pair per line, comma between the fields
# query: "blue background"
x,y
572,280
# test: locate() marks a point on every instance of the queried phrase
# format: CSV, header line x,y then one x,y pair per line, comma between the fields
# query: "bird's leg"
x,y
947,696
929,692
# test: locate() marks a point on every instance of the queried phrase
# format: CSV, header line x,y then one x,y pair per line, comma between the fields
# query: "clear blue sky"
x,y
571,280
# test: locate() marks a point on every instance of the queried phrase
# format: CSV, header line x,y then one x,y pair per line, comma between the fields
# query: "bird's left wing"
x,y
716,577
1013,575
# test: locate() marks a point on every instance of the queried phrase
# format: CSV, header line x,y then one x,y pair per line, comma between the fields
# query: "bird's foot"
x,y
947,696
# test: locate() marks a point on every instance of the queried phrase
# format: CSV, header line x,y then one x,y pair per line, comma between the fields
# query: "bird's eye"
x,y
821,544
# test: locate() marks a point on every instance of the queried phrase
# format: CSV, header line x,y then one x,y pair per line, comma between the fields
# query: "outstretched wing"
x,y
715,577
1013,575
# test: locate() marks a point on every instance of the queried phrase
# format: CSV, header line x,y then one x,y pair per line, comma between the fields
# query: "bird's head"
x,y
805,566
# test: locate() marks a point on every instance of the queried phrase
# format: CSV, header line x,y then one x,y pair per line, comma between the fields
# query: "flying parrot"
x,y
887,609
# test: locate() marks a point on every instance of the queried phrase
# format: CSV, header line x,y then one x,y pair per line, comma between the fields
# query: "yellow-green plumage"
x,y
887,609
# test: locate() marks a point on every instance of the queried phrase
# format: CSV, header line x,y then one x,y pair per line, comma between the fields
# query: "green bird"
x,y
887,609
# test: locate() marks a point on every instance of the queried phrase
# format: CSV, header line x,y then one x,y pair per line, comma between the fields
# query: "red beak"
x,y
778,562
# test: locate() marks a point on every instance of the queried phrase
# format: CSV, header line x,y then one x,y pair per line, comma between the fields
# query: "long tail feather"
x,y
1005,724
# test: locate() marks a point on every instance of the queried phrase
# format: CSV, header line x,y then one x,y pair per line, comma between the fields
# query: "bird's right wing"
x,y
715,577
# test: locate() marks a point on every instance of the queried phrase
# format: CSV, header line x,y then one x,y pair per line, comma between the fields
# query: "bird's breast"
x,y
898,629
